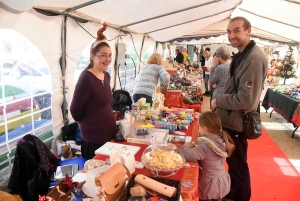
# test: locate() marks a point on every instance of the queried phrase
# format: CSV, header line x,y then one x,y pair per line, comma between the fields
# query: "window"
x,y
147,54
128,72
25,95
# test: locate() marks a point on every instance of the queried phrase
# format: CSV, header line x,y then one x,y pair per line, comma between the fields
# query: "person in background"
x,y
179,57
249,68
219,72
185,55
278,62
272,70
273,63
208,64
272,67
91,103
202,57
211,152
147,80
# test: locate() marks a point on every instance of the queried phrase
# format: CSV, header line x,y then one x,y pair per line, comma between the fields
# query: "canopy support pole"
x,y
171,13
298,27
82,5
295,2
116,67
63,67
141,52
192,20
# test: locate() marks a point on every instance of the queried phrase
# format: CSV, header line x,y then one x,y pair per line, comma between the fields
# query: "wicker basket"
x,y
170,182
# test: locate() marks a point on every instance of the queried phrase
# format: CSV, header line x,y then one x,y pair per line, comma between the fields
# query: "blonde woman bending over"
x,y
147,80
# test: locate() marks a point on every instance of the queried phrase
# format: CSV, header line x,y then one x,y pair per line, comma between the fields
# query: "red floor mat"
x,y
273,177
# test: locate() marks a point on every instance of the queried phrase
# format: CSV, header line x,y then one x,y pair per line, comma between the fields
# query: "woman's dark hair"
x,y
272,61
95,50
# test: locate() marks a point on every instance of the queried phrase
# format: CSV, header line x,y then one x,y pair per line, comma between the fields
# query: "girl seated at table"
x,y
213,147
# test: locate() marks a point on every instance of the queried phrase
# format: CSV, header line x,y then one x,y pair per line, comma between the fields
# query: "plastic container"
x,y
168,159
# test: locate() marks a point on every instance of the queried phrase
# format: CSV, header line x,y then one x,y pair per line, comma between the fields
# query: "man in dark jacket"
x,y
179,57
250,67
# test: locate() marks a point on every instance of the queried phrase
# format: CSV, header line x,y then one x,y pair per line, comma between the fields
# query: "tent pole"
x,y
230,9
116,67
298,27
156,45
295,2
177,11
141,52
63,67
82,5
289,43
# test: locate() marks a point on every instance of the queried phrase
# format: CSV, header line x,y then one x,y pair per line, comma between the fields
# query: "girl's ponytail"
x,y
230,146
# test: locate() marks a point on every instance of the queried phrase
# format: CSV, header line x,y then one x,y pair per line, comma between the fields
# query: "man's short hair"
x,y
247,24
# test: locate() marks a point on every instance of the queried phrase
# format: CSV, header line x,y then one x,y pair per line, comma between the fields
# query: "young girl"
x,y
213,147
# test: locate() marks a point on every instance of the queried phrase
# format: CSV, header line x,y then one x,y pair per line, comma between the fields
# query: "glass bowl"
x,y
163,159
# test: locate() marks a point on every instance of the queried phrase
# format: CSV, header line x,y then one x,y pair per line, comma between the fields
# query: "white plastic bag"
x,y
125,128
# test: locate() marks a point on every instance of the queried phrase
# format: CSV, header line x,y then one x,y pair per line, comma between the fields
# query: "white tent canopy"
x,y
159,21
216,31
166,20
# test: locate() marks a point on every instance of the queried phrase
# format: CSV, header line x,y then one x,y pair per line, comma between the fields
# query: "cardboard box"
x,y
170,182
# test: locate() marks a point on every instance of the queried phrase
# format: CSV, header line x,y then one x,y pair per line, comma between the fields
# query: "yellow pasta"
x,y
163,159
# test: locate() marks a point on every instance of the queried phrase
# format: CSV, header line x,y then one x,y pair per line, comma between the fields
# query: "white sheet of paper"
x,y
108,146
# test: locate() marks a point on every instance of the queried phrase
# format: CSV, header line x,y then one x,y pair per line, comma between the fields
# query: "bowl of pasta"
x,y
163,159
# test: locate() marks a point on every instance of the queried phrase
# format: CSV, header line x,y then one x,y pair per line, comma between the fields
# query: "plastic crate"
x,y
170,182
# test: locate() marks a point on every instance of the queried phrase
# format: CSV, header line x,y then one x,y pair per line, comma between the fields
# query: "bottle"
x,y
127,111
127,114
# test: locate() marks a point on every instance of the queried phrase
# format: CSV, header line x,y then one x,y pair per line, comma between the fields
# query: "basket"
x,y
170,182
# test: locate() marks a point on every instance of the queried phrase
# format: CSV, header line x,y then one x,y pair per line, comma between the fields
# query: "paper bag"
x,y
125,128
129,161
115,156
89,187
126,158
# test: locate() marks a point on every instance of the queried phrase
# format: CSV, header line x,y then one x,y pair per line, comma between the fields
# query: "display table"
x,y
282,104
174,99
184,174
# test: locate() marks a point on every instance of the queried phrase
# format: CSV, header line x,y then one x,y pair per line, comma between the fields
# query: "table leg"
x,y
271,113
296,127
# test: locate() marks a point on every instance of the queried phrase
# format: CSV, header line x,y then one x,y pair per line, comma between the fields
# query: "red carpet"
x,y
273,177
